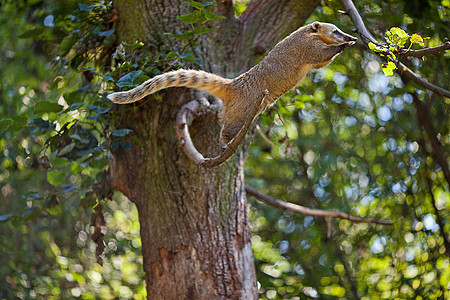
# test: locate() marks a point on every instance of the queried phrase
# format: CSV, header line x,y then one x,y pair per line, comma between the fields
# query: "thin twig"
x,y
367,37
309,211
264,137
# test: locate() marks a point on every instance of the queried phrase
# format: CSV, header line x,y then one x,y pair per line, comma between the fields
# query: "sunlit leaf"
x,y
388,69
417,39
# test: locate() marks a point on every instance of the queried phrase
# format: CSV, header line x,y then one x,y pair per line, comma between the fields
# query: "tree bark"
x,y
194,223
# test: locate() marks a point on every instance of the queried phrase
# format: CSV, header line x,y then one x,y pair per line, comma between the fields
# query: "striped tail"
x,y
207,82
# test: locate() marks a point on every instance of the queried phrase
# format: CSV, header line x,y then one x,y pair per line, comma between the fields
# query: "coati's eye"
x,y
337,32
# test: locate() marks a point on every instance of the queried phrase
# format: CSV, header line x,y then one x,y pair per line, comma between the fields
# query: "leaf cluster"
x,y
396,39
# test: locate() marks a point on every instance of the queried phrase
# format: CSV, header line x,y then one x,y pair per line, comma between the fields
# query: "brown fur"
x,y
311,46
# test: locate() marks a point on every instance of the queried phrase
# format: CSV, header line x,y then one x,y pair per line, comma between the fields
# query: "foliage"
x,y
348,139
396,39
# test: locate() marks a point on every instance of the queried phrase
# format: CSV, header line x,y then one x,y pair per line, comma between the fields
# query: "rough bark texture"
x,y
194,223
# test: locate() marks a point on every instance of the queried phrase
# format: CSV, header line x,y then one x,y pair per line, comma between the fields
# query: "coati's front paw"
x,y
223,146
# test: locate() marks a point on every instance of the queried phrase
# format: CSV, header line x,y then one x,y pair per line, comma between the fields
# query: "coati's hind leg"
x,y
229,131
236,117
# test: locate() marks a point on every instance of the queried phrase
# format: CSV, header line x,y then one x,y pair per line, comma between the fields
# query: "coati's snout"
x,y
329,42
344,38
331,35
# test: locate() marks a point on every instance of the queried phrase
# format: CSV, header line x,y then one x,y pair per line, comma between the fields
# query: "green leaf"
x,y
135,45
388,69
75,105
172,54
31,195
84,7
98,109
372,46
190,57
417,39
39,122
203,29
396,36
92,150
31,33
52,205
376,48
19,122
105,33
82,136
181,36
4,218
121,132
67,149
30,213
212,16
304,98
55,83
129,80
56,178
191,18
5,124
66,45
45,106
195,4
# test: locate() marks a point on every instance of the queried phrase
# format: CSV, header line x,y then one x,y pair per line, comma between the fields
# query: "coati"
x,y
312,46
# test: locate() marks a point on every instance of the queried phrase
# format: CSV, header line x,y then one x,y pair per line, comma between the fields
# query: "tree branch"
x,y
185,118
405,71
309,211
424,52
424,121
367,37
439,219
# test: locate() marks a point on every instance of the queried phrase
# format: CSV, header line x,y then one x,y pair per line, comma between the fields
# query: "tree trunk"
x,y
194,224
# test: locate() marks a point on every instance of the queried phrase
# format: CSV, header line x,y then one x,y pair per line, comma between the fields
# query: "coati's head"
x,y
328,41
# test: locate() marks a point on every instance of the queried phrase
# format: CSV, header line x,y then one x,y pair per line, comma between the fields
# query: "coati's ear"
x,y
315,26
